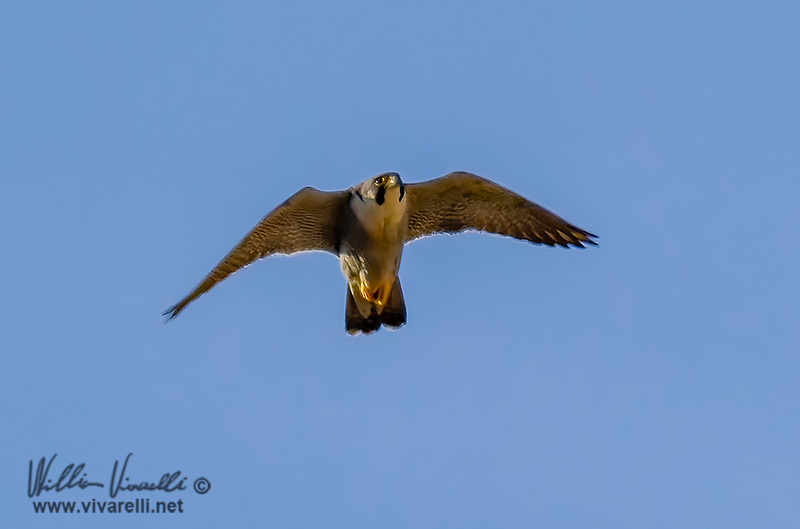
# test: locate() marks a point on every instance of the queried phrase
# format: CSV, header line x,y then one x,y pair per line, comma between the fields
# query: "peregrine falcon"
x,y
367,225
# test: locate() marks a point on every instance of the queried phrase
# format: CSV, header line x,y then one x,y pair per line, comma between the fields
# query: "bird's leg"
x,y
377,296
366,293
380,295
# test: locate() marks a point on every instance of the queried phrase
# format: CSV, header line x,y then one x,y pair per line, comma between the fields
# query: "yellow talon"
x,y
365,292
379,296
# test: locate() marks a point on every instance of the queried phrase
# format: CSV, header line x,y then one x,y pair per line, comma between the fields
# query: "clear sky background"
x,y
653,381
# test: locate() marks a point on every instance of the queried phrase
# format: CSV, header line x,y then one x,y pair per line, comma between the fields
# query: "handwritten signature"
x,y
74,476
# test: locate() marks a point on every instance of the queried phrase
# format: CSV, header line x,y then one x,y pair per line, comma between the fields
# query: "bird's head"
x,y
381,188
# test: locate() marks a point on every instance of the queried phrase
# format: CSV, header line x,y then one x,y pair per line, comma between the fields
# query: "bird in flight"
x,y
367,225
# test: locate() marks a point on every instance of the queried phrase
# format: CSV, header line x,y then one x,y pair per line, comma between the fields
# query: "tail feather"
x,y
393,314
354,321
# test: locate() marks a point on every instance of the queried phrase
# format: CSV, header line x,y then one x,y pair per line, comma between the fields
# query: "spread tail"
x,y
393,314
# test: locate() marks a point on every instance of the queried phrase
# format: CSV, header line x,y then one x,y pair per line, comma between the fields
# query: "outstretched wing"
x,y
464,201
309,220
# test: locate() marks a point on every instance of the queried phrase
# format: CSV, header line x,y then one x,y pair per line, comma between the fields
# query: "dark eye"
x,y
380,180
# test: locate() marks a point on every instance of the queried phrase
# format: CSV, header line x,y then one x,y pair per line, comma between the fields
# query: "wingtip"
x,y
584,237
170,313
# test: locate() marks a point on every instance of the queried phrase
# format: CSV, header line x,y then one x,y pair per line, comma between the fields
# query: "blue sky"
x,y
650,382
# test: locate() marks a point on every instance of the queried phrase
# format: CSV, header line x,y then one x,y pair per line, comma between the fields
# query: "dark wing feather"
x,y
464,201
308,220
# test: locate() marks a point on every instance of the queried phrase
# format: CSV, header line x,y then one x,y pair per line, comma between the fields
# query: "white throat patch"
x,y
380,221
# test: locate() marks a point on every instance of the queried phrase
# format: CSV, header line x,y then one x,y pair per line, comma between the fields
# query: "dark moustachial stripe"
x,y
381,196
358,193
402,192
